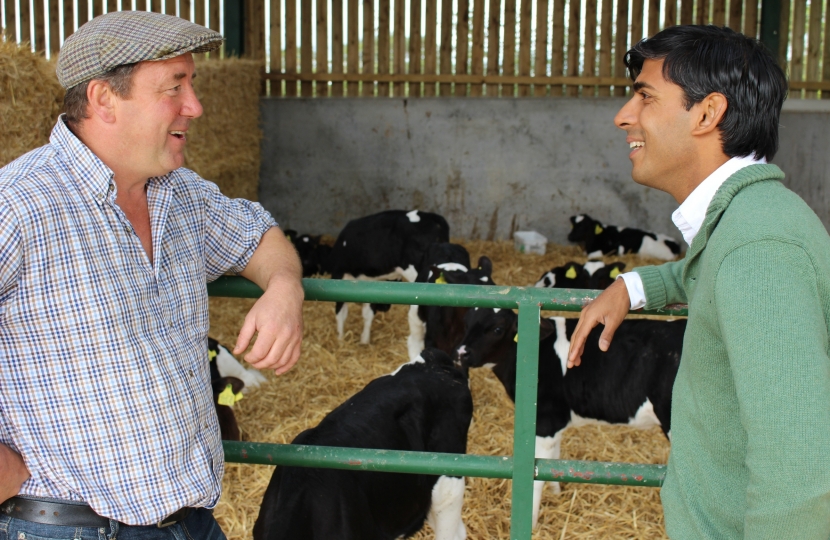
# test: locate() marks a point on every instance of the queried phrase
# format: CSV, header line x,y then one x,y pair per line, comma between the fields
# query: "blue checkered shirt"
x,y
104,378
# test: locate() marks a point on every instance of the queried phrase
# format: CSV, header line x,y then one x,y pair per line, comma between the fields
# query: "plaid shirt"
x,y
104,378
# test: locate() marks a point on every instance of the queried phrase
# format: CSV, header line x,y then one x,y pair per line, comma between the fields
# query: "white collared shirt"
x,y
689,217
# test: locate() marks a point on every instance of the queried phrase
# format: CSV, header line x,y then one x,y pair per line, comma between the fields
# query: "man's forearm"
x,y
13,473
275,257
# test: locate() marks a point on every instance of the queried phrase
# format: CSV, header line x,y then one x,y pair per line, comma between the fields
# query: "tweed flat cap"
x,y
128,37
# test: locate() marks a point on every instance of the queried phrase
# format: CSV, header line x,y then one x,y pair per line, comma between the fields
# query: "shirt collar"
x,y
689,217
93,175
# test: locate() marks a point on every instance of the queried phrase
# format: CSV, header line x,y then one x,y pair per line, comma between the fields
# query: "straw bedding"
x,y
330,371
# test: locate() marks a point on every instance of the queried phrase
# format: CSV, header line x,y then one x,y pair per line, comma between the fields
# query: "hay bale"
x,y
224,144
330,371
30,100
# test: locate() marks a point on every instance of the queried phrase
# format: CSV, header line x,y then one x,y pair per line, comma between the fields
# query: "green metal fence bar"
x,y
524,426
523,467
551,470
331,290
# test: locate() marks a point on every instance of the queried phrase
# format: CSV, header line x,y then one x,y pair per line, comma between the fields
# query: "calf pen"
x,y
522,468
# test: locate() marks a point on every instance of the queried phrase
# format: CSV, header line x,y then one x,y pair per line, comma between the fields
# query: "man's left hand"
x,y
277,316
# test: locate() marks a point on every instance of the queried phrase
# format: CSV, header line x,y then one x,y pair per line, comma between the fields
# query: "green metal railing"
x,y
523,467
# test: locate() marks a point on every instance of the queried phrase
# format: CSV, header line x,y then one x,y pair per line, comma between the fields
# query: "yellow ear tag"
x,y
516,339
227,397
598,229
212,354
614,273
571,273
441,279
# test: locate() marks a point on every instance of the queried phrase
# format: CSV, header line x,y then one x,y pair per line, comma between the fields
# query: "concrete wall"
x,y
490,166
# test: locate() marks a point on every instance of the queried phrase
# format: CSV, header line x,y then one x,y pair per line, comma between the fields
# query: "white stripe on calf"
x,y
368,316
452,267
445,513
561,346
417,332
546,448
417,360
341,319
229,366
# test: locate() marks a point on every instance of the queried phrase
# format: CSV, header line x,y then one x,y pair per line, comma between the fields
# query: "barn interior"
x,y
492,166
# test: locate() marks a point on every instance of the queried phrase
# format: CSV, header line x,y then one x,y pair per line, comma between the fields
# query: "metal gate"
x,y
522,467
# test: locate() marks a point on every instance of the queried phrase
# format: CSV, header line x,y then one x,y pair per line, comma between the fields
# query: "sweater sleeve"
x,y
774,330
663,284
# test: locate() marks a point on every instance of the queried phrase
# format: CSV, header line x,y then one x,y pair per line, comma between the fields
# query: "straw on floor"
x,y
330,371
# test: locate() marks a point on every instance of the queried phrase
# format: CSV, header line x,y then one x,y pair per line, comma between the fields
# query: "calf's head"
x,y
571,275
582,228
491,337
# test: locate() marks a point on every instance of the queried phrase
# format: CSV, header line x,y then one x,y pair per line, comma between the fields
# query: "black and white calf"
x,y
630,384
224,364
385,246
603,275
313,255
442,327
572,275
424,405
229,379
598,239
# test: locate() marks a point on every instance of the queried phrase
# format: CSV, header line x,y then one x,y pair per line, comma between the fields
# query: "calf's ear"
x,y
485,265
546,328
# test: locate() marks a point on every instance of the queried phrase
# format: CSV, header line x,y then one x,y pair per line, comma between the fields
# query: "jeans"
x,y
199,525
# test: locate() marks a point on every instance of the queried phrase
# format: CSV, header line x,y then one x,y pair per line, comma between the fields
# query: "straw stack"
x,y
330,371
30,100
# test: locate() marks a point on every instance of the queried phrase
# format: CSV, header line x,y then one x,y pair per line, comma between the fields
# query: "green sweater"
x,y
750,453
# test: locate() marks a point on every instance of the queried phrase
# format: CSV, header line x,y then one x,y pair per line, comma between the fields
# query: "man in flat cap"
x,y
107,424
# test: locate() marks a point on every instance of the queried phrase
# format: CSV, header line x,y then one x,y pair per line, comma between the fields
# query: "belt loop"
x,y
113,533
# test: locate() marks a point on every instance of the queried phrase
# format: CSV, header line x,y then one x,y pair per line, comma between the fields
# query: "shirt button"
x,y
191,373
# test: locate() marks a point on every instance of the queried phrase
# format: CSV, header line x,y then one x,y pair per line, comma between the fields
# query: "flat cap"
x,y
128,37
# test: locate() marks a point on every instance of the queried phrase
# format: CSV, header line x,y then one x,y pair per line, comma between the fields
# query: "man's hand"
x,y
13,473
277,317
609,308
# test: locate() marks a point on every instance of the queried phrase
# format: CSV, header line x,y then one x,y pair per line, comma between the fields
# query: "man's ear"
x,y
101,100
711,112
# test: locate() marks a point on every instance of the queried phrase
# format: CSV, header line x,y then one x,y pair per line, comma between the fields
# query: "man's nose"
x,y
627,115
191,107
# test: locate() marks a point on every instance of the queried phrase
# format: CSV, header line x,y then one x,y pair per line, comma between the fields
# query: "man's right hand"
x,y
13,473
609,308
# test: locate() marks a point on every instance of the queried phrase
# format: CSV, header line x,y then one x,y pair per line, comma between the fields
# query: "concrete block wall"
x,y
490,166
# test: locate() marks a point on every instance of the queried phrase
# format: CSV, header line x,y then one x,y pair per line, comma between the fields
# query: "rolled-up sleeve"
x,y
233,230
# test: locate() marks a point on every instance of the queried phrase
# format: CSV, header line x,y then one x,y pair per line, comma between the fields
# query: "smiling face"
x,y
659,131
154,119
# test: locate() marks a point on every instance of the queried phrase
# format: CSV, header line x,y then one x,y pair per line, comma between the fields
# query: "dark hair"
x,y
706,59
75,101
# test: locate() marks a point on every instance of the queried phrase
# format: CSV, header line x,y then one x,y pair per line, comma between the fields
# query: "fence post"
x,y
234,28
524,429
770,21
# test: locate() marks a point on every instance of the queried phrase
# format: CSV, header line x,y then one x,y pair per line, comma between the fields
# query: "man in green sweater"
x,y
750,434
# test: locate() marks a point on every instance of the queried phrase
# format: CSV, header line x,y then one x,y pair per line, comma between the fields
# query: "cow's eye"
x,y
498,330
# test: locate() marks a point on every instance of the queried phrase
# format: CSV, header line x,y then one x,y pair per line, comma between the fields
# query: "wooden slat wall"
x,y
814,45
482,47
430,44
337,45
797,63
589,63
493,45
